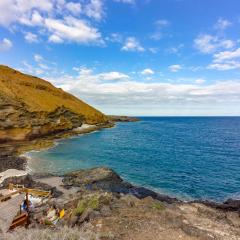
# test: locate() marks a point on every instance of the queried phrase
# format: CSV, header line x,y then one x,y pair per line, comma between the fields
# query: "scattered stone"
x,y
109,205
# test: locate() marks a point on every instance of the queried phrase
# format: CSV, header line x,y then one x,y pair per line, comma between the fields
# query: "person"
x,y
24,206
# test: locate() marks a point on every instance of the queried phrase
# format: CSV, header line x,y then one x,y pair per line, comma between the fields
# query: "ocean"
x,y
185,157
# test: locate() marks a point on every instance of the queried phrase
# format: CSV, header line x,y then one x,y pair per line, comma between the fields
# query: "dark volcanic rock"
x,y
99,178
228,205
232,204
124,119
108,180
9,158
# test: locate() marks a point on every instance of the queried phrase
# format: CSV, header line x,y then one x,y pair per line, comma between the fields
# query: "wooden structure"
x,y
9,210
10,206
34,192
19,220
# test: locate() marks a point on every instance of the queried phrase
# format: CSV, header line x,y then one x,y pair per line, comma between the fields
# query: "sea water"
x,y
186,157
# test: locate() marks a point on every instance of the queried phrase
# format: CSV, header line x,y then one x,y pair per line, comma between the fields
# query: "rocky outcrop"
x,y
106,179
9,158
17,123
31,107
107,214
123,119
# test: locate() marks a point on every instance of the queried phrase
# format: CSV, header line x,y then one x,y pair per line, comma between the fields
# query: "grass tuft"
x,y
158,206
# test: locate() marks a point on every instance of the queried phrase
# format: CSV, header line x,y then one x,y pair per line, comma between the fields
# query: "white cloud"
x,y
38,58
36,19
222,24
87,73
113,76
72,29
94,9
230,65
226,60
200,81
21,11
30,69
160,25
55,39
43,66
226,44
39,67
151,95
226,55
175,68
116,92
147,71
5,45
115,37
58,19
206,43
74,8
132,44
31,37
175,49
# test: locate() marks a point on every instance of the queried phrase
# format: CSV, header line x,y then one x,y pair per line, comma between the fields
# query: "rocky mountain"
x,y
31,107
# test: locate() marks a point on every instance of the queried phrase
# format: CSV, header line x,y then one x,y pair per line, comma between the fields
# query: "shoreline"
x,y
101,198
12,153
22,148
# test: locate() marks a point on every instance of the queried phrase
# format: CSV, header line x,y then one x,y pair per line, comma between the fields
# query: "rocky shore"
x,y
123,119
11,152
100,205
123,211
126,207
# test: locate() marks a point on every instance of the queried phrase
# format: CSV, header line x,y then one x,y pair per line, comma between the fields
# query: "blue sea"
x,y
185,157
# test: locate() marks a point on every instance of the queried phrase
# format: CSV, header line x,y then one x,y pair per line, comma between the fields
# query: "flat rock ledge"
x,y
100,203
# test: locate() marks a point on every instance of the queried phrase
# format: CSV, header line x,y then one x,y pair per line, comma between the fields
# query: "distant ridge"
x,y
32,107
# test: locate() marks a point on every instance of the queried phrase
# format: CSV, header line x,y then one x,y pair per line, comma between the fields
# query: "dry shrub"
x,y
63,233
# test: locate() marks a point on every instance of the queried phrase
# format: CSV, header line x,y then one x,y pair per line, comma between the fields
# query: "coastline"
x,y
22,148
117,208
12,153
100,200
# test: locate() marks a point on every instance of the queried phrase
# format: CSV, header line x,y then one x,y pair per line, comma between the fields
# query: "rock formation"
x,y
31,107
93,204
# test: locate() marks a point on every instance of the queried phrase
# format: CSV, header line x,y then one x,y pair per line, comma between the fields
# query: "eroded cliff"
x,y
31,107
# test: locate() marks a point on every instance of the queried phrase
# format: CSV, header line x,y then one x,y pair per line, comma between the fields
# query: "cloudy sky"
x,y
134,57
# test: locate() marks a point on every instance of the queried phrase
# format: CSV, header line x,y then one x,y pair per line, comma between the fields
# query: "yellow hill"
x,y
30,106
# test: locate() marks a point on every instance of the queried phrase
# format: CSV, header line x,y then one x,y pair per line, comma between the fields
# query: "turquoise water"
x,y
187,157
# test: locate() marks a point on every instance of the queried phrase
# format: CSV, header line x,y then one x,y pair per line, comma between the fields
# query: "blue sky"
x,y
133,57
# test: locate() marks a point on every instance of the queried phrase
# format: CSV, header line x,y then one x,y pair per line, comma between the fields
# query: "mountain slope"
x,y
31,107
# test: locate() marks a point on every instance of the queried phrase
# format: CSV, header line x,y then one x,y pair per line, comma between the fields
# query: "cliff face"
x,y
31,107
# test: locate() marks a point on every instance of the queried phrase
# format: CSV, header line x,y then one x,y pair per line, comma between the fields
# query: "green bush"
x,y
88,203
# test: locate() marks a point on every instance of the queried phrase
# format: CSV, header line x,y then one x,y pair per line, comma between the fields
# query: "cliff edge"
x,y
31,107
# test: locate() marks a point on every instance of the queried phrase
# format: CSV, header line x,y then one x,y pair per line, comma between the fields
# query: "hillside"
x,y
31,107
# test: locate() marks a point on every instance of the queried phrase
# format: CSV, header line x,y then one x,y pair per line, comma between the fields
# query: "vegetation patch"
x,y
88,203
158,206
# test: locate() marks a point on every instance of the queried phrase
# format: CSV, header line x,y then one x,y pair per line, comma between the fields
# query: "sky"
x,y
130,57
